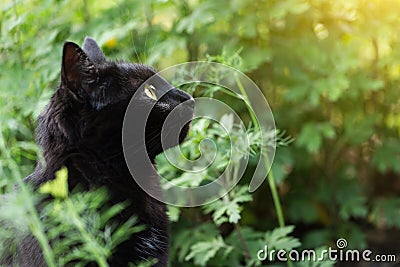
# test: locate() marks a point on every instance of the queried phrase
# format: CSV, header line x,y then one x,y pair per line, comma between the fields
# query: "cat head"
x,y
87,110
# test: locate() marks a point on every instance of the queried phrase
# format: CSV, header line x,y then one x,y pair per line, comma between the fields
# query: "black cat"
x,y
81,129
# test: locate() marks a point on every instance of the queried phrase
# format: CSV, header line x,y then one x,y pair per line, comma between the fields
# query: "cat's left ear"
x,y
93,50
77,71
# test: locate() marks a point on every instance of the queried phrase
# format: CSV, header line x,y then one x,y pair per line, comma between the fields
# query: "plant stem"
x,y
35,225
242,241
247,102
18,33
86,13
101,261
271,179
270,176
275,196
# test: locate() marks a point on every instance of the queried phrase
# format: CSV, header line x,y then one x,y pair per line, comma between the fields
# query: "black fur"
x,y
81,129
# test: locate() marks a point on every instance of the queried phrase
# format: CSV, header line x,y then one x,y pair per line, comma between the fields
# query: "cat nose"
x,y
185,109
180,96
182,99
190,102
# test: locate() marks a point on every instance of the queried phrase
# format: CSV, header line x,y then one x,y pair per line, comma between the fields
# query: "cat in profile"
x,y
81,129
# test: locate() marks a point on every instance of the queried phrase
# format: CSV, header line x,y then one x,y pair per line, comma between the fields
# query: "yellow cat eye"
x,y
150,91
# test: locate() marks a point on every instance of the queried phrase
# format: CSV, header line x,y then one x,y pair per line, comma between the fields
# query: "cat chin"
x,y
184,132
154,150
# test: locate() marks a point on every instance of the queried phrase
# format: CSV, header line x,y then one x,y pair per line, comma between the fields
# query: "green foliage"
x,y
241,244
228,208
202,252
329,69
230,251
386,212
312,134
81,220
85,220
278,239
57,188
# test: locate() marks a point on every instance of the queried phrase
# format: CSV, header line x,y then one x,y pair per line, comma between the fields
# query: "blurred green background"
x,y
330,71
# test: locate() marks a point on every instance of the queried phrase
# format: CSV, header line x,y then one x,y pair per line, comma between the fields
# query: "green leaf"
x,y
351,199
279,239
312,134
227,122
202,252
387,156
228,209
200,16
386,212
358,128
173,213
58,187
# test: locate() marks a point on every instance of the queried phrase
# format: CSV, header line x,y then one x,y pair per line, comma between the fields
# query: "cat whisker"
x,y
136,52
145,45
154,135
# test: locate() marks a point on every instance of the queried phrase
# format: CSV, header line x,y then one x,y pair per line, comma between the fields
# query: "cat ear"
x,y
77,70
92,49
